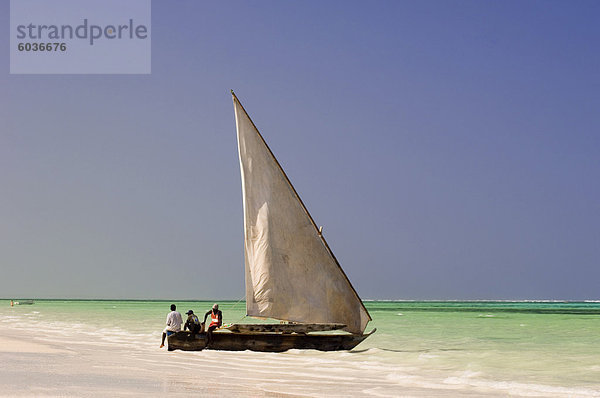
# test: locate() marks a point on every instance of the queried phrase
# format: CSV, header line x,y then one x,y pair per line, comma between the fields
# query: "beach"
x,y
86,368
111,348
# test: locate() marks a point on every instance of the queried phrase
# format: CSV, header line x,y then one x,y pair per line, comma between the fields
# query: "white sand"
x,y
30,367
16,345
68,363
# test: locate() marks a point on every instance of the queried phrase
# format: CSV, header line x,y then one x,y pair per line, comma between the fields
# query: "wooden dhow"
x,y
291,273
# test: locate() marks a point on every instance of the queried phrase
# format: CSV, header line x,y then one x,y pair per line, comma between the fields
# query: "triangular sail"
x,y
291,274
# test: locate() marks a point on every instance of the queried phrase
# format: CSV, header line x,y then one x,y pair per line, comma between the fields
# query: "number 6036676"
x,y
42,47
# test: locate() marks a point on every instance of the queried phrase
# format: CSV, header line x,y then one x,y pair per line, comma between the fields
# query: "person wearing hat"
x,y
216,320
192,323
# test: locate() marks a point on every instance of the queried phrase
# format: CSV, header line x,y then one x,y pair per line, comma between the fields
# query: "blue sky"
x,y
450,149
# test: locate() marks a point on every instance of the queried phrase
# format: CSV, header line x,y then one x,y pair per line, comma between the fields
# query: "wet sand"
x,y
31,368
51,365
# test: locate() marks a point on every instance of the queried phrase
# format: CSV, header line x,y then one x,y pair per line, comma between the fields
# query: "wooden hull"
x,y
264,342
283,327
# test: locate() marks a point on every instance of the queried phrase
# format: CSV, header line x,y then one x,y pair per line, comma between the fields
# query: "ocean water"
x,y
420,348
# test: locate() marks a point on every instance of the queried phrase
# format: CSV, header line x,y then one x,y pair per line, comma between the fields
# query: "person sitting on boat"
x,y
174,322
192,323
216,320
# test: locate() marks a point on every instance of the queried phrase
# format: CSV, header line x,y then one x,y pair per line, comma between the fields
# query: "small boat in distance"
x,y
22,302
291,273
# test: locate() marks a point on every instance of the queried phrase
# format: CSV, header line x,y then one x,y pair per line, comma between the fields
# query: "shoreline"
x,y
30,367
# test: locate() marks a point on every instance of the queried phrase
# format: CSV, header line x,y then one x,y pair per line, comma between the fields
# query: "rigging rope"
x,y
232,308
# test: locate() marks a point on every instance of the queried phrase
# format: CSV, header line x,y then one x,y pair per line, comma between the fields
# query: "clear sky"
x,y
450,149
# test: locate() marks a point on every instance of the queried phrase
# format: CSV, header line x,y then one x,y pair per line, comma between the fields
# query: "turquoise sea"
x,y
454,347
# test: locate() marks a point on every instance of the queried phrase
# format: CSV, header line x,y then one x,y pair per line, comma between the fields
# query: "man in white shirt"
x,y
174,322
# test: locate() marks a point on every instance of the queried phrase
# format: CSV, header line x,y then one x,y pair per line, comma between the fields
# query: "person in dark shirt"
x,y
216,320
192,323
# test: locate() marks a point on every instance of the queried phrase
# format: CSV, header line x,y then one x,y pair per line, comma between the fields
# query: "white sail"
x,y
291,274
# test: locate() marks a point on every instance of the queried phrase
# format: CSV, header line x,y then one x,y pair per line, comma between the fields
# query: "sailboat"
x,y
291,273
22,302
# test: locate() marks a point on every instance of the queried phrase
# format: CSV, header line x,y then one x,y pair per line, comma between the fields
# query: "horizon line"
x,y
589,300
